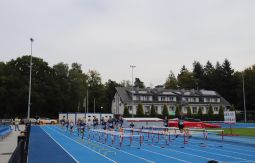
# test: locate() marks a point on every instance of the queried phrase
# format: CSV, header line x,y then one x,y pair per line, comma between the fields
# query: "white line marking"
x,y
84,146
207,158
60,146
240,161
124,152
194,144
165,155
216,154
237,147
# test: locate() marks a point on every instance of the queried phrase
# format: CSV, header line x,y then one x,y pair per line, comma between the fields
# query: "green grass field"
x,y
241,131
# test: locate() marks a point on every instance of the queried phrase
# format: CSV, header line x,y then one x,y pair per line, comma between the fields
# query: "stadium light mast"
x,y
244,104
30,81
132,67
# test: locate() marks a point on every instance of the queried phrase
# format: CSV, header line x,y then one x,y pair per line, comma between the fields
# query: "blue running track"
x,y
52,144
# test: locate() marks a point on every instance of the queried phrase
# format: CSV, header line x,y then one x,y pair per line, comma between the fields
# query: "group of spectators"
x,y
110,123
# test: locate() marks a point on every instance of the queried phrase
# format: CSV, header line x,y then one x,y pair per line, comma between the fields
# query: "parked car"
x,y
47,121
32,120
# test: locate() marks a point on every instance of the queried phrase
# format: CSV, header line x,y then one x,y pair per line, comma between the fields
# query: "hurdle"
x,y
114,134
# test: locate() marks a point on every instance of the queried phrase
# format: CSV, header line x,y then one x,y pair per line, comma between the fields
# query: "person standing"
x,y
110,124
121,121
71,126
16,123
166,121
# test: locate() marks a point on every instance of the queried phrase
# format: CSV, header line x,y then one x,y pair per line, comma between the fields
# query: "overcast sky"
x,y
110,35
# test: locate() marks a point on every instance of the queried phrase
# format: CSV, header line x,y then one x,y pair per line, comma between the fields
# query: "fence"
x,y
21,151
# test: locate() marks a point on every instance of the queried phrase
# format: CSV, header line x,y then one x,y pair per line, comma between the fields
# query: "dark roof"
x,y
125,94
224,101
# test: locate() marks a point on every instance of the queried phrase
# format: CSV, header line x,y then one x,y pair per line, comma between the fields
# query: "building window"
x,y
171,98
194,110
171,108
130,109
215,109
204,110
147,109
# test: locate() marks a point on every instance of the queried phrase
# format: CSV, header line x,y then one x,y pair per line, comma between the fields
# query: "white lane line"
x,y
60,146
122,151
207,158
165,155
193,144
84,146
216,154
226,145
241,162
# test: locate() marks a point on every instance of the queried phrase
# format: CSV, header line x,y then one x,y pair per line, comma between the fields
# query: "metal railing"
x,y
20,153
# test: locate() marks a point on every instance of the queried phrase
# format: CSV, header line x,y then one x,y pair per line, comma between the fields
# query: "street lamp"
x,y
244,104
132,67
101,114
30,81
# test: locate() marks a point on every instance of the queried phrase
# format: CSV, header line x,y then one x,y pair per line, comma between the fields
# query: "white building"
x,y
159,97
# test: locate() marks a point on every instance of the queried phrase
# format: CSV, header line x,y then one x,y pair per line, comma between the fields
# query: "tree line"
x,y
62,88
221,78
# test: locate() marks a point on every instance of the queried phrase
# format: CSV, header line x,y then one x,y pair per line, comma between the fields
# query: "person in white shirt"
x,y
16,123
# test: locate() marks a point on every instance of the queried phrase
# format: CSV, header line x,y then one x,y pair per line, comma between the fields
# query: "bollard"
x,y
21,141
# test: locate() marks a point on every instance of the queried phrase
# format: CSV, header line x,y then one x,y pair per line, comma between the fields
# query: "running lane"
x,y
43,149
79,151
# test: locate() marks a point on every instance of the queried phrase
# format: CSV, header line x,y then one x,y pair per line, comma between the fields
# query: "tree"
x,y
171,82
109,92
138,83
232,108
96,89
165,111
198,73
210,111
200,113
178,111
249,82
140,112
78,86
153,112
208,75
221,113
189,112
126,112
186,79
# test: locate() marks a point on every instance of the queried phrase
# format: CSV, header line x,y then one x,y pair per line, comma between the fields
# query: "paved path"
x,y
8,145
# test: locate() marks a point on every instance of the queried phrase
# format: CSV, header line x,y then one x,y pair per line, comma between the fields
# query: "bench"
x,y
4,132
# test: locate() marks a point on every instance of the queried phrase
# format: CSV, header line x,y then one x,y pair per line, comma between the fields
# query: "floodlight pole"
x,y
132,103
244,104
30,81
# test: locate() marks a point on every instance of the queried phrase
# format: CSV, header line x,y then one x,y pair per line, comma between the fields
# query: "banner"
x,y
229,117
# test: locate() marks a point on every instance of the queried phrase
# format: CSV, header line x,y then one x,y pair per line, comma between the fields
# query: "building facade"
x,y
193,99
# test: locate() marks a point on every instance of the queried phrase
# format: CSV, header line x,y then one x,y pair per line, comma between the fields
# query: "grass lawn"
x,y
241,131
